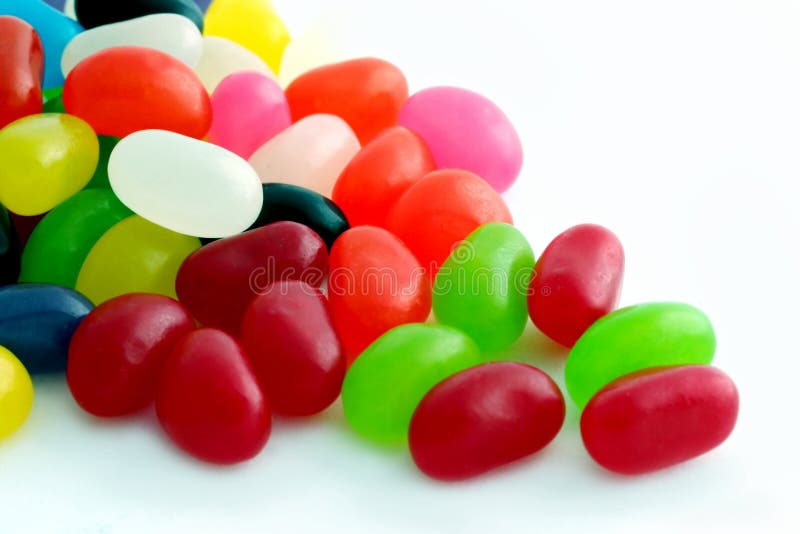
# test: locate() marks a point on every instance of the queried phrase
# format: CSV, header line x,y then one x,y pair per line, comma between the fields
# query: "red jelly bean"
x,y
657,418
118,350
21,70
484,417
442,209
379,175
375,284
209,402
124,89
367,93
577,280
289,338
218,281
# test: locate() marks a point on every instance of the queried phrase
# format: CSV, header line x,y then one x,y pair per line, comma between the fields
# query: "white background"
x,y
677,125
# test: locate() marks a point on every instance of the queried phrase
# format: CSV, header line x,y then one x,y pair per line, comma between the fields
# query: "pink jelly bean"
x,y
465,130
249,109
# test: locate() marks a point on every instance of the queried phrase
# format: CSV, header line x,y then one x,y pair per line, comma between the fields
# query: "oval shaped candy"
x,y
289,339
93,13
311,153
16,393
208,400
317,45
172,34
367,93
658,418
125,89
222,57
379,175
465,130
59,244
9,249
578,280
386,383
22,65
53,101
37,322
46,159
117,352
635,338
484,417
134,256
482,287
188,186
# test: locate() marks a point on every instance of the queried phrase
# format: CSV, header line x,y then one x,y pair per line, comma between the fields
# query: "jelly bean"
x,y
54,29
367,93
253,24
37,322
57,4
93,13
134,256
484,417
655,419
310,153
125,89
9,249
46,159
60,243
100,178
482,287
314,47
188,186
219,281
440,210
22,65
289,339
578,280
375,284
118,350
208,400
53,101
172,34
465,130
222,57
16,393
634,338
379,175
249,109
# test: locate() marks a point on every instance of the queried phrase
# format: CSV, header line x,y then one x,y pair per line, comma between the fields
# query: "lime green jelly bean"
x,y
45,160
59,244
635,338
53,103
387,381
100,178
134,256
482,287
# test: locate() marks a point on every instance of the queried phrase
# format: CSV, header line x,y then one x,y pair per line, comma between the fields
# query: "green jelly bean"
x,y
387,381
53,103
59,244
638,337
482,287
100,178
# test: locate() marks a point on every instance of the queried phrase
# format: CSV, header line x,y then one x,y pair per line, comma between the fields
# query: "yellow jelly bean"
x,y
134,256
45,160
253,24
16,393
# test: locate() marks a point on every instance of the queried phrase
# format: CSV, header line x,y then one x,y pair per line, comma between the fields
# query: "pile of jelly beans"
x,y
179,229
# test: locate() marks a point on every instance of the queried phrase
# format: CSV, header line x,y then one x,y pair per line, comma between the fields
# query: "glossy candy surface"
x,y
46,159
188,186
290,342
386,383
658,418
16,393
134,256
117,352
208,400
379,175
222,57
9,249
100,178
484,417
93,13
578,280
37,322
635,338
22,65
482,287
465,130
219,281
128,88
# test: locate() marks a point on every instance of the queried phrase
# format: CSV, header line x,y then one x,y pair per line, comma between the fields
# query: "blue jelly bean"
x,y
37,322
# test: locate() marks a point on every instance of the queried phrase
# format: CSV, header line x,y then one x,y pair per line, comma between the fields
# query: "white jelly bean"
x,y
222,57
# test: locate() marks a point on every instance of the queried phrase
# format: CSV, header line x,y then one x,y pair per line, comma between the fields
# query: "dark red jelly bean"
x,y
658,418
21,70
484,417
